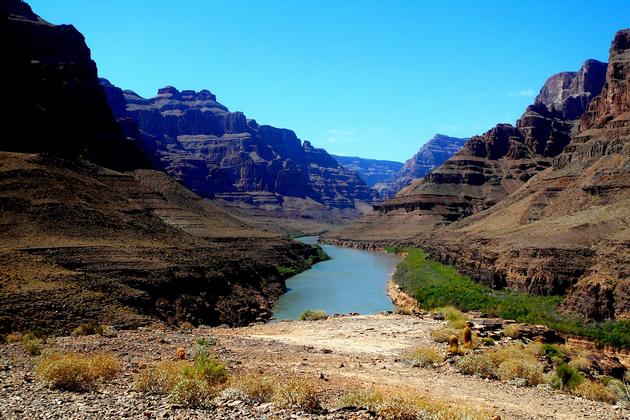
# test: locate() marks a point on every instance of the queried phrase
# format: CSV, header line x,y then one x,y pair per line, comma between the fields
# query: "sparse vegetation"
x,y
77,372
159,379
424,356
392,249
32,345
14,337
436,285
313,315
477,364
88,328
595,391
286,272
206,341
512,330
259,388
191,392
529,371
566,377
402,405
443,334
296,392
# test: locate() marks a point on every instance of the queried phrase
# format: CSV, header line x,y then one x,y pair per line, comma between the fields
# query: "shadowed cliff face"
x,y
224,155
55,103
372,171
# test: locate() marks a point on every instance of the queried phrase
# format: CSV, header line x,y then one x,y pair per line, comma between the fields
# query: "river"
x,y
351,281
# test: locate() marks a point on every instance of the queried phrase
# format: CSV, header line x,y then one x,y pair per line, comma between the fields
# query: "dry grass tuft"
x,y
403,405
192,392
595,391
529,371
424,356
14,337
88,328
477,364
259,388
159,379
297,392
512,330
443,334
581,363
77,372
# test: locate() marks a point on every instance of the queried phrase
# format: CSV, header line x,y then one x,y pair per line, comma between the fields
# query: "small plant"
x,y
595,391
311,315
477,364
206,341
32,345
159,379
88,328
14,337
424,356
207,368
620,388
257,387
512,330
286,272
453,344
191,392
180,353
296,392
109,331
568,377
443,334
186,326
554,353
488,341
581,363
529,371
76,372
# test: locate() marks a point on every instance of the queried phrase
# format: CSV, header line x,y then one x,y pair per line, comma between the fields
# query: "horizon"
x,y
382,93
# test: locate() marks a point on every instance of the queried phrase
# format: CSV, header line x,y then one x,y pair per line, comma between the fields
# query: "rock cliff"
x,y
372,171
431,155
223,155
55,103
80,241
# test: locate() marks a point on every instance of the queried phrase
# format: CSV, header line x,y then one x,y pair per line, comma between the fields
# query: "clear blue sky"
x,y
368,78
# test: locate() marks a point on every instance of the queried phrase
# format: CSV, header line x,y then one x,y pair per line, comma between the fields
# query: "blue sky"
x,y
367,78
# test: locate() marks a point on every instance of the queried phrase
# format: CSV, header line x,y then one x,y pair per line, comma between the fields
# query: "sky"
x,y
365,78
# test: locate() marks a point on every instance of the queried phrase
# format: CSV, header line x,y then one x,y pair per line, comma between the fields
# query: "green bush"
x,y
436,285
208,369
311,315
286,271
568,376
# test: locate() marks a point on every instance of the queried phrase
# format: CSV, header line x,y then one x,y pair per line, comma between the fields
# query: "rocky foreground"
x,y
337,355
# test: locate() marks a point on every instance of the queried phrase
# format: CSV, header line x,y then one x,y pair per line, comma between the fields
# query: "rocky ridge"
x,y
224,155
372,171
431,155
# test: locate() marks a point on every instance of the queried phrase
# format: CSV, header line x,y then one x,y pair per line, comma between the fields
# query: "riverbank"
x,y
336,356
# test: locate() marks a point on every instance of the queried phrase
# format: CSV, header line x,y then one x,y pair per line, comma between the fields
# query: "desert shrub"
x,y
206,341
186,326
76,372
620,388
32,346
14,337
403,311
535,348
312,315
159,379
255,386
208,369
401,405
488,341
477,364
191,392
511,352
530,371
88,328
554,353
424,356
443,334
512,330
567,377
296,392
109,331
595,391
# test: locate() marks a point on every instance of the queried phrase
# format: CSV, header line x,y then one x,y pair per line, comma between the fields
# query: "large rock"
x,y
223,155
53,100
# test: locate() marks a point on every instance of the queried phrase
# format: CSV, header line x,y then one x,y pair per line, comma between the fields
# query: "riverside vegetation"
x,y
436,285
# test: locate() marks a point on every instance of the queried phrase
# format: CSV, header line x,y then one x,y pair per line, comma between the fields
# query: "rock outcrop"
x,y
431,155
54,102
80,241
223,155
488,168
372,171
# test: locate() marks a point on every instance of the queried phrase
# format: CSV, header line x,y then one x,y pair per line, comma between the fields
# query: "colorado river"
x,y
351,281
